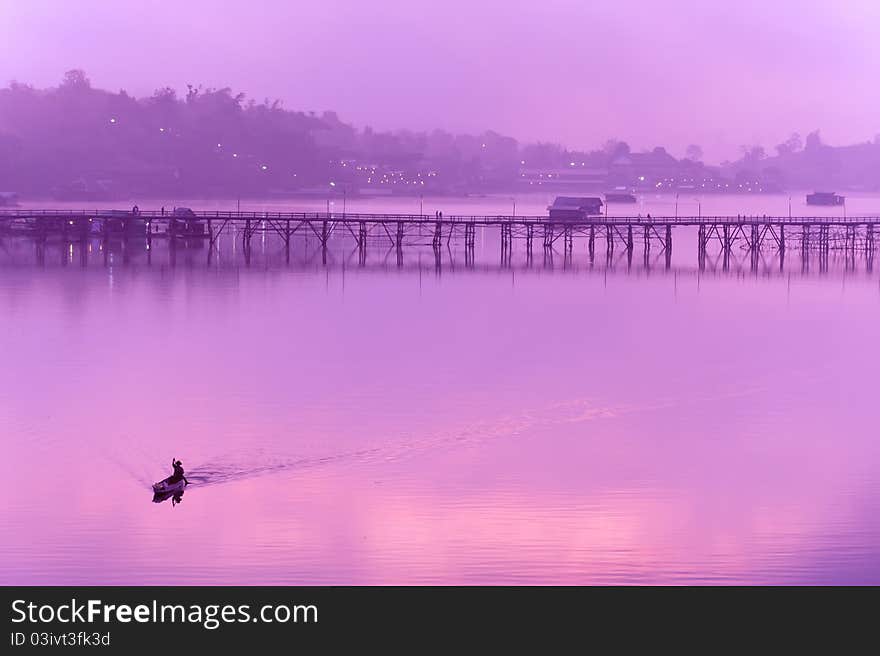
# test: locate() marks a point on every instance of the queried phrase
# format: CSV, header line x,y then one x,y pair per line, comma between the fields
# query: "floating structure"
x,y
825,198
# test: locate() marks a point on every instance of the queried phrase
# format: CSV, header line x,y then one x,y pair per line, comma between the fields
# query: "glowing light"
x,y
161,129
332,184
113,120
264,167
235,154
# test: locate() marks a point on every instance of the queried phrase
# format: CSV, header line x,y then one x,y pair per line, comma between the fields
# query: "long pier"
x,y
721,234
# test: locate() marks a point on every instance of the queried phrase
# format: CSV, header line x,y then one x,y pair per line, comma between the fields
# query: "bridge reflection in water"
x,y
310,256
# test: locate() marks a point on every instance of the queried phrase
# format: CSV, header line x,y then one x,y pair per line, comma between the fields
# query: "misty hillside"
x,y
76,142
812,165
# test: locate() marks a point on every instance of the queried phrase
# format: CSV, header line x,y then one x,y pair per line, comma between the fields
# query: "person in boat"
x,y
178,472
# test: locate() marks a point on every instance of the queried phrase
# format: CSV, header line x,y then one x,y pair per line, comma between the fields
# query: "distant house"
x,y
573,208
643,169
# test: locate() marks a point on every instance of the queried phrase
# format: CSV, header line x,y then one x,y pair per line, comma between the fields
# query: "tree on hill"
x,y
694,153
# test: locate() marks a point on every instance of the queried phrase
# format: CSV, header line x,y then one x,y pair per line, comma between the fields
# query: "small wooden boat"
x,y
169,486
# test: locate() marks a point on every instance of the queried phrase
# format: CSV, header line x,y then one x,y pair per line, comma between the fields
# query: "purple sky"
x,y
573,71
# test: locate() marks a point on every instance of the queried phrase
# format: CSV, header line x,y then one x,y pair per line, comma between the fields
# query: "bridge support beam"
x,y
591,246
530,235
362,243
667,246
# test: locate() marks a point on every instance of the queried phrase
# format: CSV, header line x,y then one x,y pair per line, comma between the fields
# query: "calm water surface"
x,y
384,425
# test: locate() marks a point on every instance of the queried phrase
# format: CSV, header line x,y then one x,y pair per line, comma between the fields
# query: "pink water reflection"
x,y
402,428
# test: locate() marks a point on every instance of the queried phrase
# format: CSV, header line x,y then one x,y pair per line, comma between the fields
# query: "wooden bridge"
x,y
721,234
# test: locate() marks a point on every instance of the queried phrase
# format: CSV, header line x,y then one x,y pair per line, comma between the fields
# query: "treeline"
x,y
77,139
810,164
74,141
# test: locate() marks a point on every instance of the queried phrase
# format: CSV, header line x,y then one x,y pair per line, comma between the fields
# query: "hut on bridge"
x,y
574,208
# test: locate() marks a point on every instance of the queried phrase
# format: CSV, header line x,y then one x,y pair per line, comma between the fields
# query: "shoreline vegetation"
x,y
74,142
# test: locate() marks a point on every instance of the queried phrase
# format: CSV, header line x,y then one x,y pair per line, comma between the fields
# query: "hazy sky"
x,y
717,73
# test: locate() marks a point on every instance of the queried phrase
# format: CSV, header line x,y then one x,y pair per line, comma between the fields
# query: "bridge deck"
x,y
446,219
752,233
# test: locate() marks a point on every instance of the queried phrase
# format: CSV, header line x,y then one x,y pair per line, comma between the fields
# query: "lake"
x,y
564,422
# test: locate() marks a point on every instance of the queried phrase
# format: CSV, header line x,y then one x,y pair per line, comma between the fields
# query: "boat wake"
x,y
254,463
228,470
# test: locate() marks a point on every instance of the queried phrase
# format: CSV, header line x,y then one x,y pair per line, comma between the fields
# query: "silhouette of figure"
x,y
178,472
135,210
